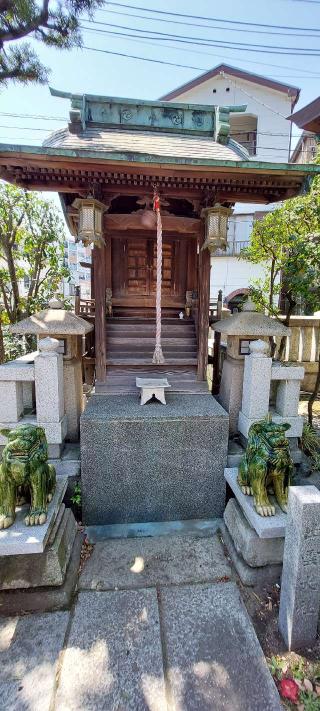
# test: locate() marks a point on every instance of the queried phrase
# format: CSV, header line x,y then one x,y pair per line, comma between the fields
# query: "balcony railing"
x,y
233,249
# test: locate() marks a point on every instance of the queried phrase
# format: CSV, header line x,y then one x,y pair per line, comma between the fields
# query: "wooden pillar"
x,y
100,312
204,303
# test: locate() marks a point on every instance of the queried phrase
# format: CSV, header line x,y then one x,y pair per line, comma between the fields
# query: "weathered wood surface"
x,y
100,313
203,315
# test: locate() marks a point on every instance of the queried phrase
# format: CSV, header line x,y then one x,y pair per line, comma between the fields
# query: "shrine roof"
x,y
147,143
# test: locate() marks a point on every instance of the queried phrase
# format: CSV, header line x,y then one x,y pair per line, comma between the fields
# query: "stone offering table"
x,y
152,387
154,463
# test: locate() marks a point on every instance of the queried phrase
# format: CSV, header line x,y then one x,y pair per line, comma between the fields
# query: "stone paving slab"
x,y
213,658
21,539
113,661
29,652
145,562
265,526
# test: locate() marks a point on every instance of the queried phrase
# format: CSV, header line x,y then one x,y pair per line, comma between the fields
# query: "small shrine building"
x,y
106,165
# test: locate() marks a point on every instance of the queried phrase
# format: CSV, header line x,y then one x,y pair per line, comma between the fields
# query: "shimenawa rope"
x,y
158,356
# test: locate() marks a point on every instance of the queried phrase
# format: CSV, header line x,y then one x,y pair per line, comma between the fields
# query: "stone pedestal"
x,y
255,543
153,463
38,565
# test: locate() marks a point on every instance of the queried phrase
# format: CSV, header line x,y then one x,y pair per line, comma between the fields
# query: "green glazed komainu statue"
x,y
266,465
25,472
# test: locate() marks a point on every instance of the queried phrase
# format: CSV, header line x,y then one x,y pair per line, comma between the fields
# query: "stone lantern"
x,y
239,330
69,329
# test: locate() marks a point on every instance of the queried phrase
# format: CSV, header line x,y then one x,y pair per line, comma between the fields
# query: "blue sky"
x,y
93,72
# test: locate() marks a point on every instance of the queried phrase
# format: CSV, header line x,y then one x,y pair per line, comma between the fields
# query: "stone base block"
x,y
20,539
264,575
42,569
153,463
254,550
264,526
45,599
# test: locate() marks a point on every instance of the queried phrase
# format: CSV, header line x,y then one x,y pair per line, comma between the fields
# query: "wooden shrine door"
x,y
134,271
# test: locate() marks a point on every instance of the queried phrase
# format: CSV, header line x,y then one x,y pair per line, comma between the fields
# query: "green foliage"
x,y
310,701
310,445
54,24
287,243
31,252
76,497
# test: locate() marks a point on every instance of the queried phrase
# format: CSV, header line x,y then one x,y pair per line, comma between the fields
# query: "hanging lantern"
x,y
90,229
216,227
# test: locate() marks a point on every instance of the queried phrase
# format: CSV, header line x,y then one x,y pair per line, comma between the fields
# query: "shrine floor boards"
x,y
158,625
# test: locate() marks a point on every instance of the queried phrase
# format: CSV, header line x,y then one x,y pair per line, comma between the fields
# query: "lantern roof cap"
x,y
250,323
53,321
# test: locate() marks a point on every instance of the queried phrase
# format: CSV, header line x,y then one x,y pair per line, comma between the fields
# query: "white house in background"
x,y
265,132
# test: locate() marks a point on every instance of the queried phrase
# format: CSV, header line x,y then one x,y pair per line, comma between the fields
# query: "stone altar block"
x,y
154,463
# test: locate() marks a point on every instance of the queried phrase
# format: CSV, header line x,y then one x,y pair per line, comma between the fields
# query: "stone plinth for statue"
x,y
240,329
255,543
68,329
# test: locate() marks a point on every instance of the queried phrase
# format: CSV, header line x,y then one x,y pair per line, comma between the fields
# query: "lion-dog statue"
x,y
266,465
25,474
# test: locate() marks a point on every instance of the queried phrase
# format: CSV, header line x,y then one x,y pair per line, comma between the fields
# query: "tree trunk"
x,y
314,395
2,353
286,322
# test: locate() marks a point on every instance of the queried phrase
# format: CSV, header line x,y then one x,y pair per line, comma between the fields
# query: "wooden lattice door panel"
x,y
137,266
168,252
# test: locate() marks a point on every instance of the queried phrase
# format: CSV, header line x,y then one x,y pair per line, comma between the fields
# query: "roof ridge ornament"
x,y
183,118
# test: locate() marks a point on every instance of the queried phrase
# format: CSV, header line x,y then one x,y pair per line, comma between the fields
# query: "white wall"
x,y
270,145
230,273
273,137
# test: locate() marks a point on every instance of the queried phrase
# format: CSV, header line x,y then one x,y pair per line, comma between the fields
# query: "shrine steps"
x,y
131,341
122,381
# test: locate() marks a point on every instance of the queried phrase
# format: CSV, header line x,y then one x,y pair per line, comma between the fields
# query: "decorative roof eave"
x,y
23,154
79,171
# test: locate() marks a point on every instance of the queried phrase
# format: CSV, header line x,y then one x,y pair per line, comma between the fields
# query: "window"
x,y
243,129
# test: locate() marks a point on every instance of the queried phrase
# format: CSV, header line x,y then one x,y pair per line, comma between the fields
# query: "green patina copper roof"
x,y
157,116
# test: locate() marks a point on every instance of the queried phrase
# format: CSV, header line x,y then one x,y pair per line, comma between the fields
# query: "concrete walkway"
x,y
158,625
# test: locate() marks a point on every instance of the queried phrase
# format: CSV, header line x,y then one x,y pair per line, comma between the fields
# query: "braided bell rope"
x,y
158,356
